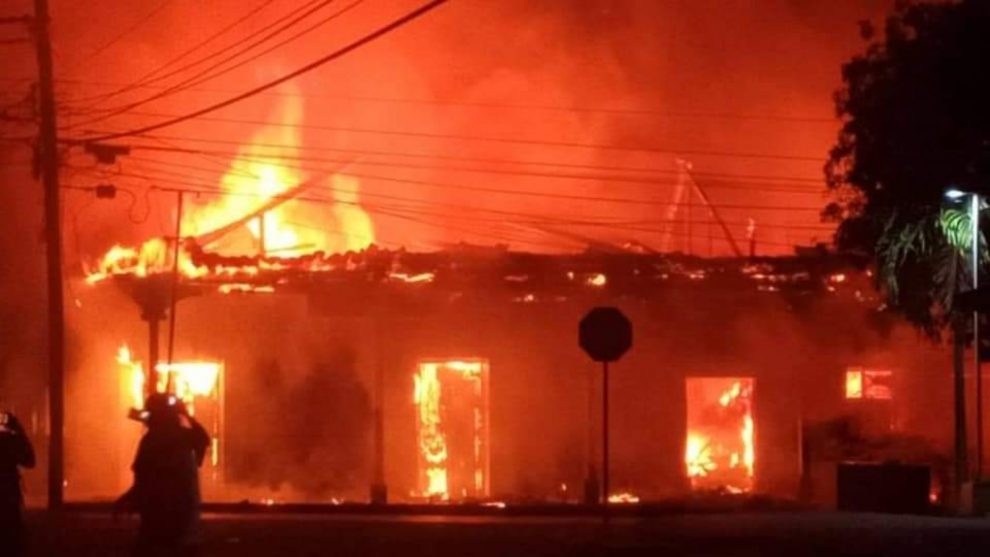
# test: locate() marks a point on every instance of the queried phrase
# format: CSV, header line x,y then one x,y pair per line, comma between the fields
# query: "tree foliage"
x,y
916,121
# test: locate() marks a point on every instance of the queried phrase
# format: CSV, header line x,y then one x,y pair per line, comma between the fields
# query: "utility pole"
x,y
47,153
974,218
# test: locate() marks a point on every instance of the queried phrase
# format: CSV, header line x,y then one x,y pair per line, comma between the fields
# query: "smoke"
x,y
686,77
707,81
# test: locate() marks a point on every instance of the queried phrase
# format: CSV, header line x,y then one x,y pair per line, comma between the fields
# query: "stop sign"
x,y
605,333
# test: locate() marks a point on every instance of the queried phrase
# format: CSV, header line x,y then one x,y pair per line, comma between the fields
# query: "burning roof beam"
x,y
271,204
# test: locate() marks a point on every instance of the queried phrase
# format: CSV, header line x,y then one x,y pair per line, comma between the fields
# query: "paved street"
x,y
84,534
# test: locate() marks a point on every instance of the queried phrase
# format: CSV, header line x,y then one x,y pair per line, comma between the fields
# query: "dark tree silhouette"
x,y
916,113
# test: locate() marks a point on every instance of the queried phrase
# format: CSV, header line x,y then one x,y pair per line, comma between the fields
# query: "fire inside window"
x,y
198,384
451,398
869,384
720,450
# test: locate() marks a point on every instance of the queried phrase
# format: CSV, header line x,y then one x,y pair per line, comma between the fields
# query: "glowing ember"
x,y
452,428
719,450
597,279
623,498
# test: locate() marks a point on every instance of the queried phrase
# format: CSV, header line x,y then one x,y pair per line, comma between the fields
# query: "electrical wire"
x,y
475,209
144,19
724,181
201,139
558,196
382,31
453,103
204,75
145,80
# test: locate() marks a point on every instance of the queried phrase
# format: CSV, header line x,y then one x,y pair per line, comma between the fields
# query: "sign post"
x,y
605,334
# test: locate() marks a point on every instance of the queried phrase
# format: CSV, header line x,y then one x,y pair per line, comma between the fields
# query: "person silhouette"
x,y
15,452
165,492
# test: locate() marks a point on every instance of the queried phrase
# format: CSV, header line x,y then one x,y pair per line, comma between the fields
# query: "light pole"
x,y
974,218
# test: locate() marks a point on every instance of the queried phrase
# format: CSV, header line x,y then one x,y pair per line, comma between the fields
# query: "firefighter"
x,y
165,493
15,452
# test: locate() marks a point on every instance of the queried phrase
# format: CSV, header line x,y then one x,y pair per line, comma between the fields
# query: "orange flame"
x,y
189,379
259,172
719,450
623,498
432,429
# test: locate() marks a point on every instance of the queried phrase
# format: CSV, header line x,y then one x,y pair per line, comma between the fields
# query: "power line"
x,y
728,177
458,207
274,83
612,178
454,103
405,214
144,80
543,195
431,135
540,220
371,208
510,141
147,17
226,49
204,75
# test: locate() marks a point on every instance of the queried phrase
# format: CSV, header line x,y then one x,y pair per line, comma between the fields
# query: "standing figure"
x,y
165,493
15,452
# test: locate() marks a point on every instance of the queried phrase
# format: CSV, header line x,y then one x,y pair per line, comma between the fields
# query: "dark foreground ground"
x,y
781,533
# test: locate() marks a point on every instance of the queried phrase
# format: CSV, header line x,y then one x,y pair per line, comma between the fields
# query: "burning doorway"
x,y
199,384
452,429
720,449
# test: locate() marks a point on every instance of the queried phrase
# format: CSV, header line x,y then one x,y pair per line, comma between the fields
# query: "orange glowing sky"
x,y
489,122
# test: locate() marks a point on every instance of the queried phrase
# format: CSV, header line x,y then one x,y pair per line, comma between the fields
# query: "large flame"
x,y
188,379
719,451
330,219
434,412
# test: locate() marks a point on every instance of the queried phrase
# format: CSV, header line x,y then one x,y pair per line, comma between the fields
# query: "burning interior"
x,y
451,399
333,387
719,449
198,384
276,274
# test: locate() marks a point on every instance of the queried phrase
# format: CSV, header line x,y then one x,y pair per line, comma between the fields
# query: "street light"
x,y
956,194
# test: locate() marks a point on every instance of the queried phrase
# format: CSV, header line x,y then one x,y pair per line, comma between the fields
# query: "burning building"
x,y
455,376
326,365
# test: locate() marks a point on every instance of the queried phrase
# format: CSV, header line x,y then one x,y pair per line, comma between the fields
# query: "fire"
x,y
719,450
623,498
854,383
869,384
451,403
698,455
132,376
189,379
259,175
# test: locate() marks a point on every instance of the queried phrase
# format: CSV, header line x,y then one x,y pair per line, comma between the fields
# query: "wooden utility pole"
x,y
47,153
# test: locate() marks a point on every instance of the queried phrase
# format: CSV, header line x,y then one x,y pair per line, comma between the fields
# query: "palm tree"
x,y
922,264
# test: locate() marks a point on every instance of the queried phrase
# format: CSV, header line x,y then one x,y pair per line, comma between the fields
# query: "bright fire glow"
x,y
452,428
262,170
623,498
189,379
720,447
854,383
872,384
